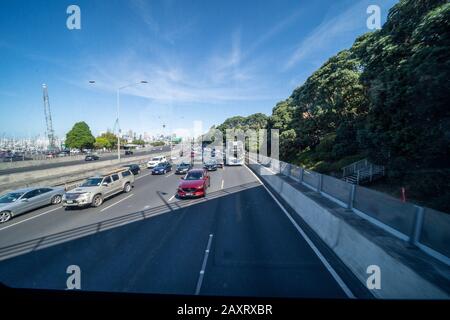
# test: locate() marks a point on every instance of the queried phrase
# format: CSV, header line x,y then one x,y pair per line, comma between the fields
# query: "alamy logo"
x,y
74,280
374,280
374,18
74,20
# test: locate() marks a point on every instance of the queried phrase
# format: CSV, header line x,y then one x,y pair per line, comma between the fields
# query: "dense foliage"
x,y
106,140
80,136
385,98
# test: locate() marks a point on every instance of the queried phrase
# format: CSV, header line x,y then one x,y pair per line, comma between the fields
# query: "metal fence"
x,y
423,227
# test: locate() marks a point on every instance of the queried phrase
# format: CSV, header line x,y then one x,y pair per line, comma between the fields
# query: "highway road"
x,y
237,241
103,157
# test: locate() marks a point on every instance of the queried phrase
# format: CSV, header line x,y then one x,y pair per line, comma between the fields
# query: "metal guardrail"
x,y
422,227
361,171
354,167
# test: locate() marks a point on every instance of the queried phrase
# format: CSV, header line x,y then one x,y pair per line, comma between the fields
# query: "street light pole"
x,y
118,109
118,127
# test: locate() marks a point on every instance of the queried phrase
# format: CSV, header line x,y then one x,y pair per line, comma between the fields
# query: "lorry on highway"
x,y
94,190
234,153
155,161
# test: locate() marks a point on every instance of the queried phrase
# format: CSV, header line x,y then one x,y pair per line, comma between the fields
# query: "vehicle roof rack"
x,y
117,170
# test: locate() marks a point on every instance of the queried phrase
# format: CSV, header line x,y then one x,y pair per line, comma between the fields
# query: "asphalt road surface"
x,y
237,241
103,157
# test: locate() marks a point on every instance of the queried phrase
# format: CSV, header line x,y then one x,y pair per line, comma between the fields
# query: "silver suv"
x,y
94,190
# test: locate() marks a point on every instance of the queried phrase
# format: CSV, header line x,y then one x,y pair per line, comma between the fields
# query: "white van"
x,y
155,161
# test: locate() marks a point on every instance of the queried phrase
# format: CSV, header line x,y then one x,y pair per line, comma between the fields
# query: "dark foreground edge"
x,y
76,302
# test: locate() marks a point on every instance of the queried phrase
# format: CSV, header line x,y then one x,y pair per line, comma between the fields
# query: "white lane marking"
x,y
171,198
41,214
143,176
202,271
106,208
171,174
221,185
327,265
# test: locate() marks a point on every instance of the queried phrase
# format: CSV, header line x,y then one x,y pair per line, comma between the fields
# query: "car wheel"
x,y
97,201
5,216
127,187
56,199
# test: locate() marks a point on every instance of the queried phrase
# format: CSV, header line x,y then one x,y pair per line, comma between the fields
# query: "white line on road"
x,y
202,271
221,185
171,198
41,214
143,176
171,174
116,203
327,265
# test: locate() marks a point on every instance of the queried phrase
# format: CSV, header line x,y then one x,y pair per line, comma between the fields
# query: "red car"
x,y
194,184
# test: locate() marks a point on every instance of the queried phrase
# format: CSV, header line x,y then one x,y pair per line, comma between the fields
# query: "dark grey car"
x,y
24,200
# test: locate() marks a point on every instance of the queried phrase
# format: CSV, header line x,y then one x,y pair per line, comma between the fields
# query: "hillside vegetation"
x,y
385,98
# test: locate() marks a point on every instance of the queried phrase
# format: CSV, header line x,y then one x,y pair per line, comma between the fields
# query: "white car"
x,y
155,161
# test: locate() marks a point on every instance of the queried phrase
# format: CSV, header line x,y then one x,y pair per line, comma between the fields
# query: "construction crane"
x,y
48,119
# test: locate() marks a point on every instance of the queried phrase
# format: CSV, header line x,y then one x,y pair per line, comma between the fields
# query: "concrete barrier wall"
x,y
404,220
60,175
356,250
435,231
33,163
39,174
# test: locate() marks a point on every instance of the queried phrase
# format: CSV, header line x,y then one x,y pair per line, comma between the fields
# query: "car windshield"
x,y
92,182
195,175
10,197
183,165
161,165
156,159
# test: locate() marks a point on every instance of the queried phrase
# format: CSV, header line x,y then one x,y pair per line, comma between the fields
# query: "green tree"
x,y
138,142
112,139
80,136
102,142
331,96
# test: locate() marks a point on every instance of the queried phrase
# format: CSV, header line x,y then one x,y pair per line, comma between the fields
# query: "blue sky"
x,y
204,60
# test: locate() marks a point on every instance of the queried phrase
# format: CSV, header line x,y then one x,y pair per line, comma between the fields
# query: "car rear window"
x,y
115,177
126,173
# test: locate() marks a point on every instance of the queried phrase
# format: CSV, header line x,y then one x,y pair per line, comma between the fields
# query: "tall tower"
x,y
48,119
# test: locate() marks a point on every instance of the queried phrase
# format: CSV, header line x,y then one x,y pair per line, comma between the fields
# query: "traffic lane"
x,y
78,219
257,251
75,162
162,254
149,191
61,220
155,190
161,191
236,175
34,214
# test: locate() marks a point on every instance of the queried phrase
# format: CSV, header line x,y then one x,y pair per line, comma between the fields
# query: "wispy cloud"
x,y
233,71
146,12
331,30
170,82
